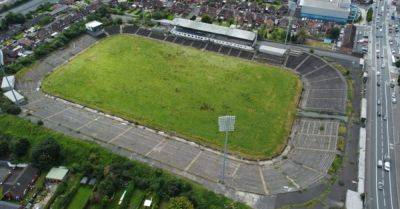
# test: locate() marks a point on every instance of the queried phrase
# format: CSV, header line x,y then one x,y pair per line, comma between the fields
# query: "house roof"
x,y
57,173
10,95
8,82
211,28
19,180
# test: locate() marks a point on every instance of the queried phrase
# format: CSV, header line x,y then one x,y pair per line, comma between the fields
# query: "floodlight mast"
x,y
226,124
5,76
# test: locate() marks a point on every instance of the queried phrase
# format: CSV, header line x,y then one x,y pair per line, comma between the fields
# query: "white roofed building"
x,y
272,50
14,96
8,83
221,35
94,28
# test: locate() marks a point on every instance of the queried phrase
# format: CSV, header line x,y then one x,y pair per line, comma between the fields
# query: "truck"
x,y
363,112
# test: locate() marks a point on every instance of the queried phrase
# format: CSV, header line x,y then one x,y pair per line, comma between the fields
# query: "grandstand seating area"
x,y
325,89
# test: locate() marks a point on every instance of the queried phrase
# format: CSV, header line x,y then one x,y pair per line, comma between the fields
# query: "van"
x,y
380,163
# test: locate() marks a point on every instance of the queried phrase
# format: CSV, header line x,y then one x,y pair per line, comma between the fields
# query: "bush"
x,y
46,154
20,147
180,203
369,14
4,148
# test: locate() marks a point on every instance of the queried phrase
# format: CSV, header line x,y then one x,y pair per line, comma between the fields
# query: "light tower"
x,y
226,124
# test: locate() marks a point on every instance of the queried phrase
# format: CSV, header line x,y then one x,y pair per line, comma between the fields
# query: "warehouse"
x,y
340,11
231,37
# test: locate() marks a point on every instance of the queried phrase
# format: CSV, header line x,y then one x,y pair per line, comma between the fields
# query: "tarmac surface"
x,y
304,163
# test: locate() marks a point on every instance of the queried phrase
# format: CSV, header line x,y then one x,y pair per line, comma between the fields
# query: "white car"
x,y
394,100
387,166
379,163
378,73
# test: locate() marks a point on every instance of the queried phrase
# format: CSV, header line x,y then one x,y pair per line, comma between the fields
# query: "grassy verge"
x,y
81,197
183,90
137,199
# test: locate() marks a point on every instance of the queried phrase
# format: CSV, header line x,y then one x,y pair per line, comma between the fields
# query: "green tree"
x,y
20,147
398,80
46,154
397,63
4,148
180,203
301,36
206,19
333,33
369,14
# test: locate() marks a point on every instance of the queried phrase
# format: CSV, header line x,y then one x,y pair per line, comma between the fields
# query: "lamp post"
x,y
226,124
5,76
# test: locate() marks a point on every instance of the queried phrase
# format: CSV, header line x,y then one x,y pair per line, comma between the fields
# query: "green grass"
x,y
114,203
137,199
80,198
183,90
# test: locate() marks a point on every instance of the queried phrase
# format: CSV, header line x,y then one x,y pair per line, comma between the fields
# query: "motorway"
x,y
381,131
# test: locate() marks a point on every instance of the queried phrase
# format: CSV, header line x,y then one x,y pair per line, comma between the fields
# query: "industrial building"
x,y
232,37
340,11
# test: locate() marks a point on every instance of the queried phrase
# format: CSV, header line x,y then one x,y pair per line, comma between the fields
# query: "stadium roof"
x,y
211,28
338,5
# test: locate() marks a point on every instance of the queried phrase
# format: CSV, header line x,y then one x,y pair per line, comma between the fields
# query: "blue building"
x,y
340,11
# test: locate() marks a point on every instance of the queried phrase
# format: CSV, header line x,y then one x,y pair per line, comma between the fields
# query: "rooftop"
x,y
327,4
93,24
211,28
57,173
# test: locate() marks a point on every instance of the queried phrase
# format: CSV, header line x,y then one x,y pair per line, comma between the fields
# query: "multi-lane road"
x,y
381,129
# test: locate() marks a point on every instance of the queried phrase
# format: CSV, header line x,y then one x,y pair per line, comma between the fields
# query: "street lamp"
x,y
5,76
225,124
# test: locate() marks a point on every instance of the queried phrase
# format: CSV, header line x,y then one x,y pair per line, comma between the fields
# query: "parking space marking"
x,y
293,182
155,147
236,169
312,169
88,123
122,133
194,159
263,181
314,149
54,114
